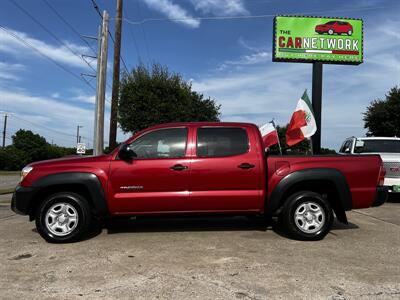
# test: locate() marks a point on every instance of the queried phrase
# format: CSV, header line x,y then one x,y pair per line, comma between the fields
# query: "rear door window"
x,y
221,141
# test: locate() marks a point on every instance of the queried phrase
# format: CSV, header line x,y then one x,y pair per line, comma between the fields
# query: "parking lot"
x,y
218,258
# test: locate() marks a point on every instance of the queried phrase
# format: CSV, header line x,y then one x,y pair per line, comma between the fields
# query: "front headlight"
x,y
25,171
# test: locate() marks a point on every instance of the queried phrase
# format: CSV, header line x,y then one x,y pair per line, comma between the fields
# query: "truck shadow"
x,y
182,224
394,198
192,224
277,228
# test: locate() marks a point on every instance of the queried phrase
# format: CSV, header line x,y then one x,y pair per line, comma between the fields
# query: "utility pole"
x,y
101,87
5,129
115,85
78,138
97,91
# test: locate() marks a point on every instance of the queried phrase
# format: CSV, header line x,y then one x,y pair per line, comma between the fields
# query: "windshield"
x,y
378,146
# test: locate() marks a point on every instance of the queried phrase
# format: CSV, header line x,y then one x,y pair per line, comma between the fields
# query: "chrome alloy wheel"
x,y
309,217
61,219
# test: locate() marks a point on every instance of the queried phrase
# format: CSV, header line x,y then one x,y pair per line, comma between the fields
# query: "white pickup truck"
x,y
389,150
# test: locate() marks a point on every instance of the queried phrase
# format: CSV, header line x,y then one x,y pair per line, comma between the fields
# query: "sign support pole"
x,y
317,105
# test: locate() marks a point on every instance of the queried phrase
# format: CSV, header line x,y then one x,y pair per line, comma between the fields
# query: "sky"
x,y
226,57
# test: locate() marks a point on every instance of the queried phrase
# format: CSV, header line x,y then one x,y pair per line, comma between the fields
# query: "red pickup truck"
x,y
197,168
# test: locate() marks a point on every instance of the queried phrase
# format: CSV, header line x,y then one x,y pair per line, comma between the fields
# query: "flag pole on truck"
x,y
270,135
279,142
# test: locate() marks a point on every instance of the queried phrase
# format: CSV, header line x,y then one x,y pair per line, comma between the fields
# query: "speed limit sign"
x,y
81,148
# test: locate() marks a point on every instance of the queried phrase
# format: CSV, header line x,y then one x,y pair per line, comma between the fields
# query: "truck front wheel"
x,y
63,217
307,216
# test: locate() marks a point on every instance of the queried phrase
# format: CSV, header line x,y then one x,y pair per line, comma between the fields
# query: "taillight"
x,y
381,177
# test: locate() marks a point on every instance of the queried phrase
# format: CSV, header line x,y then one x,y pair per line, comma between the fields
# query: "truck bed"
x,y
361,172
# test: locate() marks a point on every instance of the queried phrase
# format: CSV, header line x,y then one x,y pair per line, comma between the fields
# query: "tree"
x,y
382,117
302,148
12,159
28,147
33,145
155,96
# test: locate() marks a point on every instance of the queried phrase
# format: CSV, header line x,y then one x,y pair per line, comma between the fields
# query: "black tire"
x,y
331,31
350,32
319,211
71,202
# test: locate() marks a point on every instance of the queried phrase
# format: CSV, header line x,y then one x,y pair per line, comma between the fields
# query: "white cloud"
x,y
61,54
173,11
55,119
247,46
245,60
10,71
84,98
48,116
261,91
220,7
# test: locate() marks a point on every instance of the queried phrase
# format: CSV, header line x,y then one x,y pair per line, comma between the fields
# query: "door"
x,y
225,171
157,180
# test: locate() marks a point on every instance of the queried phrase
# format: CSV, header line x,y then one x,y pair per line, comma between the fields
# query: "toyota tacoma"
x,y
197,168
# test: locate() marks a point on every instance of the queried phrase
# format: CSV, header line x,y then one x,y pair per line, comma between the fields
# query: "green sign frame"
x,y
328,40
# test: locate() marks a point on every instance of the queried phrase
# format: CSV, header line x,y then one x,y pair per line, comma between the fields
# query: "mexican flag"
x,y
302,125
269,134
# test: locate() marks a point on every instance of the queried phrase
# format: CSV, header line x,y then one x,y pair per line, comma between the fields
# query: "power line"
x,y
44,127
96,7
68,24
80,36
147,20
45,56
144,33
47,137
15,130
50,32
122,59
132,37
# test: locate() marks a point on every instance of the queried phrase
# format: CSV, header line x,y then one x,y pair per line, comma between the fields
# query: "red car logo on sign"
x,y
333,27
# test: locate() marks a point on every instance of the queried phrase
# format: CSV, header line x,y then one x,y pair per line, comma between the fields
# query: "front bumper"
x,y
380,196
22,199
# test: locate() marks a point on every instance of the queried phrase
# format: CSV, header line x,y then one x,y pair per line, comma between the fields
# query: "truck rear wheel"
x,y
63,218
307,216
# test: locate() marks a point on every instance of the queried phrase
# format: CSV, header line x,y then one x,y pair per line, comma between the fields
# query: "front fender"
x,y
89,180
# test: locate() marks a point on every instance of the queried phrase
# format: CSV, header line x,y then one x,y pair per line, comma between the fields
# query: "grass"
x,y
8,190
9,172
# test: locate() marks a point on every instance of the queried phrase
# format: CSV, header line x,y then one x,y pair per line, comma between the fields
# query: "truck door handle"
x,y
178,167
246,166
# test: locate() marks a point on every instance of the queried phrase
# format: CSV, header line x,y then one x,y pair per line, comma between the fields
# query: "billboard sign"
x,y
324,39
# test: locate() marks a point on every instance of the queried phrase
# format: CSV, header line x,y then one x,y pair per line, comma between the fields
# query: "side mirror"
x,y
125,153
